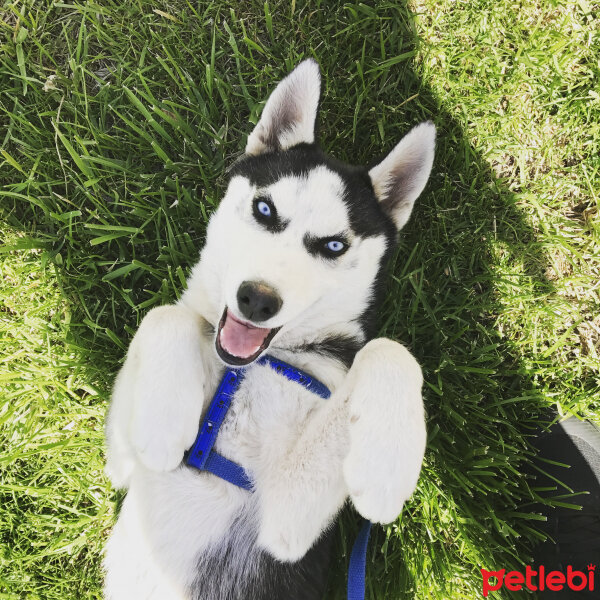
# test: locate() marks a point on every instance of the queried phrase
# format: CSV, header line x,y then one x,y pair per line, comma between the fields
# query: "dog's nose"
x,y
257,301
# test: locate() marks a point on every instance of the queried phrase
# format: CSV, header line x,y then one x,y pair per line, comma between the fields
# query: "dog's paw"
x,y
387,429
156,452
378,489
165,424
119,467
167,387
286,546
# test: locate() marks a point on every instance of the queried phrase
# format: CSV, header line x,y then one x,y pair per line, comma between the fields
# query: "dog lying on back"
x,y
293,263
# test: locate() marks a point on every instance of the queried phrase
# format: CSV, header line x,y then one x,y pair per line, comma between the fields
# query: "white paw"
x,y
168,393
119,468
387,430
283,546
158,450
378,489
165,424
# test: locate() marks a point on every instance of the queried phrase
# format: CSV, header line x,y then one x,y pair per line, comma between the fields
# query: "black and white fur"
x,y
187,535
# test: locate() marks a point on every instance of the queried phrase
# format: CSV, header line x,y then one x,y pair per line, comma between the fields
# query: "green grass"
x,y
117,122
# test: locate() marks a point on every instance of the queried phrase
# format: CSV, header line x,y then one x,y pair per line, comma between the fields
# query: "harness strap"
x,y
226,469
202,448
202,456
298,375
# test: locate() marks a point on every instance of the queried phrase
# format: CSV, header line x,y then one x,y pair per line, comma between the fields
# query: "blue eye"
x,y
330,248
335,246
263,208
265,213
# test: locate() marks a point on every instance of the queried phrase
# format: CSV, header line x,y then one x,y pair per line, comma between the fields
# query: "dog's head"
x,y
294,252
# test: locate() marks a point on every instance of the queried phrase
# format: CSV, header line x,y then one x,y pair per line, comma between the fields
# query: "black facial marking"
x,y
318,246
365,214
340,347
272,222
364,211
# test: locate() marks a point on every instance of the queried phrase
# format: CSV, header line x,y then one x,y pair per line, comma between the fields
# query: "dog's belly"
x,y
267,415
168,520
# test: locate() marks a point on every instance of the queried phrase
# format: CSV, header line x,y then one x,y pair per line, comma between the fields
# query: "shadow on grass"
x,y
131,150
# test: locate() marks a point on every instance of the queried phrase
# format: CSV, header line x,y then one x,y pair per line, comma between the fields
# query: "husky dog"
x,y
293,262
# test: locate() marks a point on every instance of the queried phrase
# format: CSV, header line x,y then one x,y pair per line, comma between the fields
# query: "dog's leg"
x,y
387,429
368,440
300,494
158,396
120,456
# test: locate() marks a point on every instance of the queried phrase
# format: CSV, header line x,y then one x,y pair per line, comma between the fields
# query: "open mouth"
x,y
239,343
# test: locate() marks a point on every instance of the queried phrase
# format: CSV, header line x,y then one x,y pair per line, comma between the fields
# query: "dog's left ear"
x,y
290,113
400,177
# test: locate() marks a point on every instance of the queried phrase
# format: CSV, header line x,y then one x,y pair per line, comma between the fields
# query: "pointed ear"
x,y
401,176
289,115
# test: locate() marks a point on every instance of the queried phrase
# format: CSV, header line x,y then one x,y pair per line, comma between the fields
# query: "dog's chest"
x,y
266,416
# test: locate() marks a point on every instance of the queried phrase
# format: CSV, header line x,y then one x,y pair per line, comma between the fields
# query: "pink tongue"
x,y
241,340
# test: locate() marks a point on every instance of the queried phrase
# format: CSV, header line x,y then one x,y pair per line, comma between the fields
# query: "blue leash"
x,y
202,456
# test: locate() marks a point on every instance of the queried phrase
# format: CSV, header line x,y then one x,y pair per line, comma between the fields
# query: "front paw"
x,y
387,429
157,448
166,420
285,542
168,384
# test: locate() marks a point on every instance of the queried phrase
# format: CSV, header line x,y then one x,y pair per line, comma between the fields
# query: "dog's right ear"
x,y
290,113
401,176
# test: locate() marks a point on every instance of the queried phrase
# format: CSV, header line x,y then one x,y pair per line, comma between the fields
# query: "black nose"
x,y
257,301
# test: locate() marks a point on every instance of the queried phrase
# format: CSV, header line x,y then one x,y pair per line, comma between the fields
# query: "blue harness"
x,y
202,455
